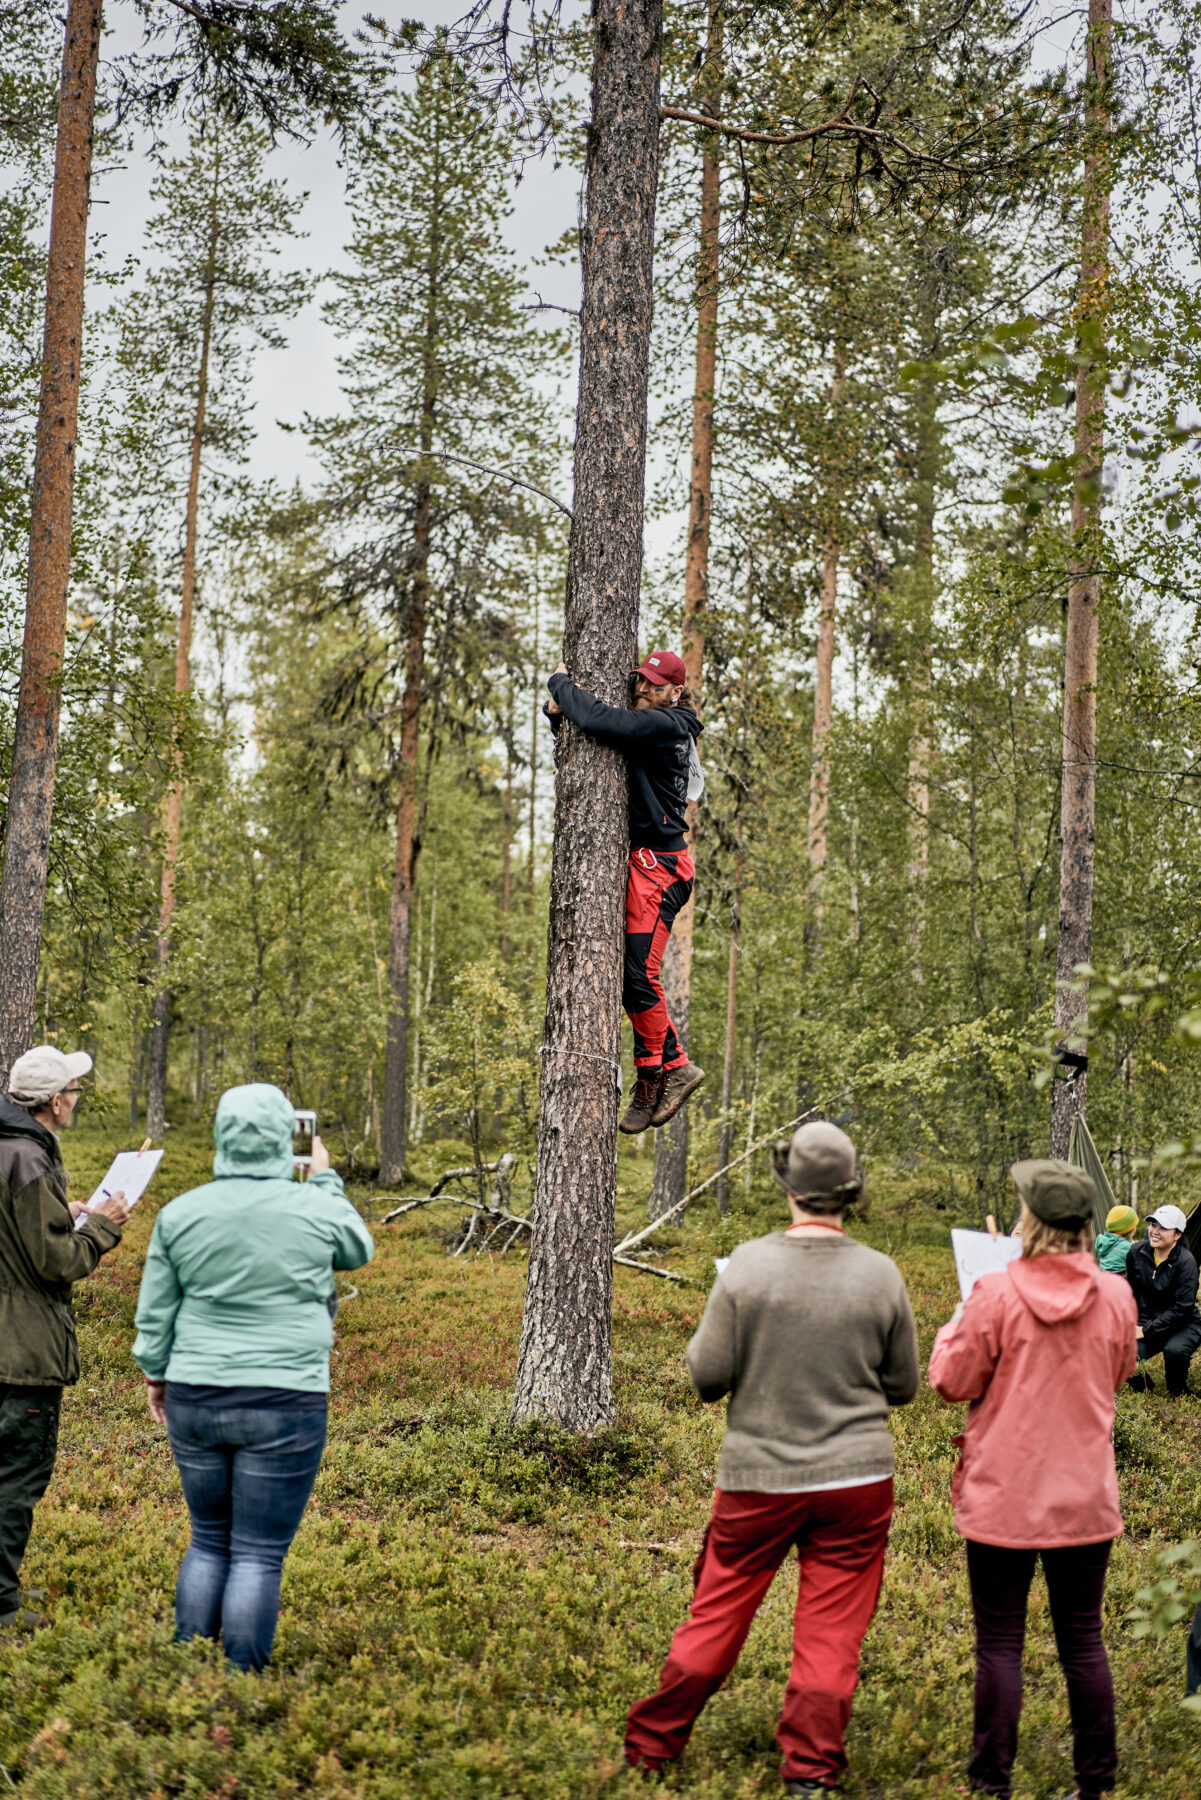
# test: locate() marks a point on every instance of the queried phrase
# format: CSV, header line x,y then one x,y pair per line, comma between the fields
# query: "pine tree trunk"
x,y
671,1143
408,842
564,1369
929,453
535,732
35,744
819,764
1078,802
506,868
727,1073
156,1098
670,1177
404,871
823,710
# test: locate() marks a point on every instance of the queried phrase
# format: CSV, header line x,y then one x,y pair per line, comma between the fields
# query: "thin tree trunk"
x,y
535,723
506,873
671,1143
404,871
35,744
564,1368
727,1073
156,1098
408,842
1078,801
929,450
823,710
415,1085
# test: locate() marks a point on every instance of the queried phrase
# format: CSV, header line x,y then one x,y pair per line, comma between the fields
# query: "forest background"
x,y
358,855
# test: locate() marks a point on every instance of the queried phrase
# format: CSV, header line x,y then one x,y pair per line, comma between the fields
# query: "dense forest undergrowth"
x,y
469,1610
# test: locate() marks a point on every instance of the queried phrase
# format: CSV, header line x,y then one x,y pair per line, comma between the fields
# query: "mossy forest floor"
x,y
469,1611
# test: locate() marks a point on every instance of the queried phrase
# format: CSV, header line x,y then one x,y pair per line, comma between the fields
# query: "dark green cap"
x,y
1058,1193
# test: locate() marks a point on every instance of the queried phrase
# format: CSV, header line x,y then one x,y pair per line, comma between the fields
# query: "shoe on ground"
x,y
678,1084
22,1621
1141,1384
814,1788
643,1102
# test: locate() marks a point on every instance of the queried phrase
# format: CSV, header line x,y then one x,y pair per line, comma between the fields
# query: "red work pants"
x,y
658,885
840,1537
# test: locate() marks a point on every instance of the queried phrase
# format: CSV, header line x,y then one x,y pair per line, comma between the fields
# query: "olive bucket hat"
x,y
819,1159
1058,1193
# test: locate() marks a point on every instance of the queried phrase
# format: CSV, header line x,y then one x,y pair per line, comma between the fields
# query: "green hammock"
x,y
1082,1154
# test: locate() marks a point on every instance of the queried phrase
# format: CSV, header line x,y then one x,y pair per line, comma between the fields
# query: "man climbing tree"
x,y
657,735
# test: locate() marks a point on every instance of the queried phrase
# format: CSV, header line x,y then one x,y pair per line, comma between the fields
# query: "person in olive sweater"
x,y
812,1337
41,1256
1162,1271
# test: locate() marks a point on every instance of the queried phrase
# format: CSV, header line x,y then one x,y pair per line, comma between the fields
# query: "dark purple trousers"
x,y
1000,1582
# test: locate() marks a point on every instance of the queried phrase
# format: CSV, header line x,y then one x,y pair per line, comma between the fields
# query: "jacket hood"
x,y
1056,1288
16,1122
253,1132
690,719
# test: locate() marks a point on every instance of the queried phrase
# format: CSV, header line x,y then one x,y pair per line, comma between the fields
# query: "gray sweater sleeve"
x,y
711,1353
900,1372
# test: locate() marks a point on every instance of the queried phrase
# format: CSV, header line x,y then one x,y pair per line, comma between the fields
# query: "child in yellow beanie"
x,y
1113,1244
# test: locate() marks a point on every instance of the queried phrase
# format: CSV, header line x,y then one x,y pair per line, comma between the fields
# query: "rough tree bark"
x,y
1078,801
156,1096
408,840
564,1368
671,1143
35,745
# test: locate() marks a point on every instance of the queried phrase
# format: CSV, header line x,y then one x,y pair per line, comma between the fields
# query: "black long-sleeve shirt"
x,y
656,743
1166,1292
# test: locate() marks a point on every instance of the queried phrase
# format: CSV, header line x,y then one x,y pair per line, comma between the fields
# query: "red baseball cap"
x,y
664,668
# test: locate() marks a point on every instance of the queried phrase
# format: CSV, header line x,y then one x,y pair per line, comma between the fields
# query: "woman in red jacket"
x,y
1040,1351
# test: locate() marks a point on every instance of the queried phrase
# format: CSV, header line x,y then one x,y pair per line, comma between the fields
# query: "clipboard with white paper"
x,y
130,1172
979,1253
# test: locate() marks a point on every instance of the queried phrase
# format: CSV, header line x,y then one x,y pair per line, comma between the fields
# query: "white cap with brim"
x,y
43,1072
1170,1217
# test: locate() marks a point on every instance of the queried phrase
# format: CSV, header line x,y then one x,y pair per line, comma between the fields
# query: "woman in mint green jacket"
x,y
234,1334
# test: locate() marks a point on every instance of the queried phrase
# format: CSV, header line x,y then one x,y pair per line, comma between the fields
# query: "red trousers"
x,y
658,885
840,1537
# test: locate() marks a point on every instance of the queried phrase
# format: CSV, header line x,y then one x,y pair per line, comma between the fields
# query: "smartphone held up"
x,y
304,1130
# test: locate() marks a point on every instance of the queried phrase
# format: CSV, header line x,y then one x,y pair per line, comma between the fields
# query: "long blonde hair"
x,y
1040,1239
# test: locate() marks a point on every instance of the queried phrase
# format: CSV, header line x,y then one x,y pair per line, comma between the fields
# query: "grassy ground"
x,y
469,1612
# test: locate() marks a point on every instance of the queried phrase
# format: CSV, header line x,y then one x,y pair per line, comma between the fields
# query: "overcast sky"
x,y
303,376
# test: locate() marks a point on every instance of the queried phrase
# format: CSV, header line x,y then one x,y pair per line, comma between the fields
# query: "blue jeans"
x,y
247,1471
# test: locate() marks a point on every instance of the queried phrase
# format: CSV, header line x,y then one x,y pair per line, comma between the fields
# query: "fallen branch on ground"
x,y
637,1237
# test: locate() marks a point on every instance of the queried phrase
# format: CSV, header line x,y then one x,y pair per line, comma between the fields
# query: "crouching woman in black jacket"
x,y
1162,1271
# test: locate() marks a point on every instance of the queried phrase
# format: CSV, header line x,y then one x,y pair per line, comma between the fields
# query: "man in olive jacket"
x,y
41,1254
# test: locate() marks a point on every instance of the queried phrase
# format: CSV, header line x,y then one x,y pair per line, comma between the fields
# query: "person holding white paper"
x,y
41,1256
1039,1351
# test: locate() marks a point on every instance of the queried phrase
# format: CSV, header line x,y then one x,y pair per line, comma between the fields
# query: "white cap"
x,y
43,1072
1170,1217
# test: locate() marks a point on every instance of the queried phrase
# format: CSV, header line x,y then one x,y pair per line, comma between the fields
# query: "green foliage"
x,y
484,1064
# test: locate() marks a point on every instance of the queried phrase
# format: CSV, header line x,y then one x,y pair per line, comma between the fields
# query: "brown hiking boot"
x,y
677,1085
643,1102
